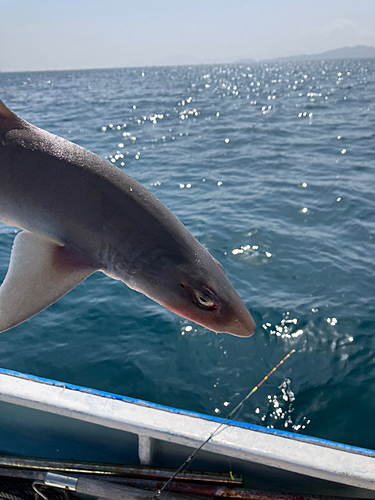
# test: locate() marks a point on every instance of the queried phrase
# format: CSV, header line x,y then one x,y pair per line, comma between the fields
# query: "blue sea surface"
x,y
272,168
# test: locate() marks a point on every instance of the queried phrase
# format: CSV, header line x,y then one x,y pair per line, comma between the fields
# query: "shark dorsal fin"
x,y
8,119
6,112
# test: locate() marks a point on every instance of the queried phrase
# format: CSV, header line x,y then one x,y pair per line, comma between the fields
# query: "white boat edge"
x,y
313,457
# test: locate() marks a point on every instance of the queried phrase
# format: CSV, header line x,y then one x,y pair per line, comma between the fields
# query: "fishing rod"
x,y
220,426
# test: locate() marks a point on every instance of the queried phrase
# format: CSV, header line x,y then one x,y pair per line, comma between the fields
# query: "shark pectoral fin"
x,y
40,272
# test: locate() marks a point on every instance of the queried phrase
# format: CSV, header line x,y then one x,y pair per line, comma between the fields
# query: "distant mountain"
x,y
359,51
246,61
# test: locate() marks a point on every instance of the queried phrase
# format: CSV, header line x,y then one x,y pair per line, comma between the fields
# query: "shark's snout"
x,y
229,316
243,326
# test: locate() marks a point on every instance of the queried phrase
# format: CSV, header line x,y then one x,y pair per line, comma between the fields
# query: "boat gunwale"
x,y
139,402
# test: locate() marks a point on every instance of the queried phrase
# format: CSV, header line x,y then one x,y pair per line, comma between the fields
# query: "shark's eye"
x,y
204,300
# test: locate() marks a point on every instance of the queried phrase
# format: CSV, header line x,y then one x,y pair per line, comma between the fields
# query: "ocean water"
x,y
272,168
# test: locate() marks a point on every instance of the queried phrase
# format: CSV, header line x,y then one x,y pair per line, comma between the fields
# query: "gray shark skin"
x,y
80,214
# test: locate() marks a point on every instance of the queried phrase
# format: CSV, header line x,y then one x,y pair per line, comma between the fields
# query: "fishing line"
x,y
222,424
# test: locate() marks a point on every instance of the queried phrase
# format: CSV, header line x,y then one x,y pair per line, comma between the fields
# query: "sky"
x,y
83,34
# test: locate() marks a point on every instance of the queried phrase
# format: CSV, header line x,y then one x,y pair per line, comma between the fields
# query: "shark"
x,y
79,214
